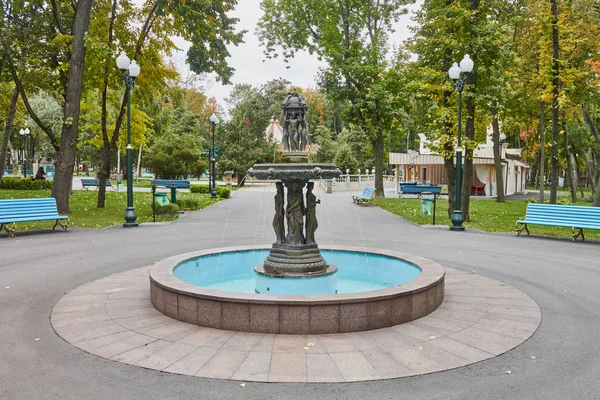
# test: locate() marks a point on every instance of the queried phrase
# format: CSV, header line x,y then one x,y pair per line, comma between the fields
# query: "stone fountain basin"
x,y
296,314
294,171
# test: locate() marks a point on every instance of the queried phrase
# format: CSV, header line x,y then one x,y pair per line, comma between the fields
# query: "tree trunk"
x,y
8,127
468,158
449,167
378,146
541,173
555,107
65,162
570,172
497,153
103,175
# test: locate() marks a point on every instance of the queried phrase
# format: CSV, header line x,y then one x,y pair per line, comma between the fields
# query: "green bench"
x,y
29,210
577,218
365,198
87,183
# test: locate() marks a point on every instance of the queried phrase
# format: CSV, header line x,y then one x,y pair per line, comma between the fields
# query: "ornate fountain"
x,y
295,253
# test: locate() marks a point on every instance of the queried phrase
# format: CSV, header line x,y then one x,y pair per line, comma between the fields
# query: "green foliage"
x,y
25,184
174,156
170,210
344,158
222,191
188,203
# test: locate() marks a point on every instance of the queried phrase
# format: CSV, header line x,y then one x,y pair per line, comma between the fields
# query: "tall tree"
x,y
352,37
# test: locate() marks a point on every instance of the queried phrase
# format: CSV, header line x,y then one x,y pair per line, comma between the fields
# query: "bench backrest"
x,y
403,184
574,216
180,184
94,182
422,189
368,192
18,208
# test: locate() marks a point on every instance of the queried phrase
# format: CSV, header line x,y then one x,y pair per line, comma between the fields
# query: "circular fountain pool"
x,y
357,272
218,288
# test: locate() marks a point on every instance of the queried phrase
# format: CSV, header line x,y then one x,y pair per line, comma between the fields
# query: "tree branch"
x,y
30,110
55,16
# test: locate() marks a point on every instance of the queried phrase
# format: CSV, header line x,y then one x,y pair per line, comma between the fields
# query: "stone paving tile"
x,y
88,334
288,367
191,364
385,365
289,344
504,330
223,364
354,366
321,368
414,359
134,356
129,343
491,319
93,344
460,349
265,344
172,332
203,336
337,343
254,368
133,312
244,341
167,356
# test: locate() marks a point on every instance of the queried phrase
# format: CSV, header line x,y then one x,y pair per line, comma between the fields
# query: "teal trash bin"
x,y
426,206
161,198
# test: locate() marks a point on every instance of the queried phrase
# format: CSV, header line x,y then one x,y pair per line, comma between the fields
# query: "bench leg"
x,y
576,235
11,230
524,228
65,226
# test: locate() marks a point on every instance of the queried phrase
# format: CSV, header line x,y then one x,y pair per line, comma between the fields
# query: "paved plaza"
x,y
495,284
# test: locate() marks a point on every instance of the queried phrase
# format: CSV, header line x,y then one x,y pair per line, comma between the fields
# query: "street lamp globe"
x,y
466,65
134,69
123,61
214,119
454,72
22,132
502,138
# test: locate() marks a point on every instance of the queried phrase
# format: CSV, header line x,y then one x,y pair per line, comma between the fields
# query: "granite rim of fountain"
x,y
296,314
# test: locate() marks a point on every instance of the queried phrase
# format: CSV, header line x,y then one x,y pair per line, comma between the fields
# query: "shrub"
x,y
188,204
222,191
25,184
171,210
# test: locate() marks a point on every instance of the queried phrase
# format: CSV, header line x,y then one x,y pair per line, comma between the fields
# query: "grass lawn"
x,y
85,214
486,215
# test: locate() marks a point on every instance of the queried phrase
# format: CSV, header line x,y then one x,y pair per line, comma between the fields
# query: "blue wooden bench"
x,y
87,183
29,210
365,198
420,189
171,183
577,218
403,184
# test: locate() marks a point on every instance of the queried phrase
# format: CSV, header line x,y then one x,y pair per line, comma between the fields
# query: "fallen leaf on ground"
x,y
242,385
36,339
508,372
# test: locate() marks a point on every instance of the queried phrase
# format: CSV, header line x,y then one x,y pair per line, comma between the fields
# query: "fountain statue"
x,y
295,252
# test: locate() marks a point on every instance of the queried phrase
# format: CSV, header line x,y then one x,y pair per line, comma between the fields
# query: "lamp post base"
x,y
213,194
130,217
457,220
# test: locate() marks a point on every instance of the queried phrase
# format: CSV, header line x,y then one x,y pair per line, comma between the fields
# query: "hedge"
x,y
222,191
25,184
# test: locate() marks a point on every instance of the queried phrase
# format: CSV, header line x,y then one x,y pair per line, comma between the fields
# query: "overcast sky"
x,y
247,58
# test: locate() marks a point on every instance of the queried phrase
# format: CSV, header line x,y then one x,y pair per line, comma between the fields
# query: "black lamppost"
x,y
24,133
459,74
129,73
213,173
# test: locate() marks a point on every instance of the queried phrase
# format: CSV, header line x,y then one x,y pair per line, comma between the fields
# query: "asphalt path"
x,y
560,361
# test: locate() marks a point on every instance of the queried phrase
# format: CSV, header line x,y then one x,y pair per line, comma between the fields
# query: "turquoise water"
x,y
357,272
